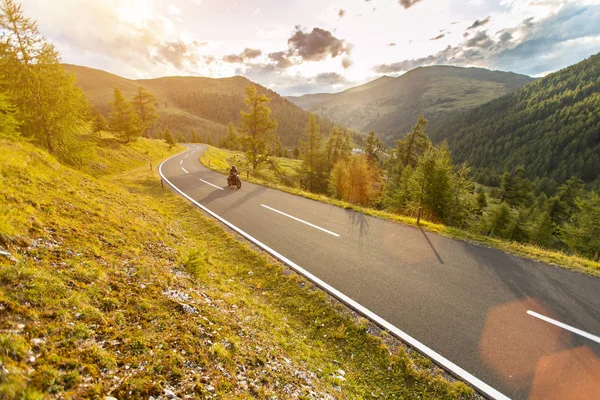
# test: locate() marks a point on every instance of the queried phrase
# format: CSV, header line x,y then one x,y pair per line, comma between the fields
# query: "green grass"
x,y
220,160
123,289
282,171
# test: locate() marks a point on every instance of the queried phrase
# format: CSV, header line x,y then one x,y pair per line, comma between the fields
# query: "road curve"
x,y
515,328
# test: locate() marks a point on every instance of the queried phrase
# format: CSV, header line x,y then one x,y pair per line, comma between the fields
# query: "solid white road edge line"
x,y
184,170
437,358
208,183
300,220
564,326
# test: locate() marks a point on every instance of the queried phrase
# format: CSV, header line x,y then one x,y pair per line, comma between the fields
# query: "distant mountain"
x,y
551,126
390,106
205,104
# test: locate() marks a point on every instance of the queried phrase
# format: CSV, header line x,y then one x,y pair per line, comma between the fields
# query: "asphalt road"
x,y
484,310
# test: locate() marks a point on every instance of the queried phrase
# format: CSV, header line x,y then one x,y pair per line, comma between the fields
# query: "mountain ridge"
x,y
204,104
391,105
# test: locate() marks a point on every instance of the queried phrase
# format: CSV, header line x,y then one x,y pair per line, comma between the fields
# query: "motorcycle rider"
x,y
233,171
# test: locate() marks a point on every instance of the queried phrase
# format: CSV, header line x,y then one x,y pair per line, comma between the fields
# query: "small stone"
x,y
109,398
250,273
210,388
38,341
341,372
169,394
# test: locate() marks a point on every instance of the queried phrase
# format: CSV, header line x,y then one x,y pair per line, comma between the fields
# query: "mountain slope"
x,y
551,126
390,106
205,104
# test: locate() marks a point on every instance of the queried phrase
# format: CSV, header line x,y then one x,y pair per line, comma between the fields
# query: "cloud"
x,y
177,53
407,3
316,45
530,47
329,78
247,54
479,23
281,59
438,37
347,62
481,39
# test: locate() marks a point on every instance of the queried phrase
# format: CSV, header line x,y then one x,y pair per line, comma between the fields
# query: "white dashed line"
x,y
208,183
180,162
564,326
184,170
299,220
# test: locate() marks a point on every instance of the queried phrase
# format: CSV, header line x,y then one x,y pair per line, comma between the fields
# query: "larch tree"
x,y
257,126
414,144
180,138
51,108
168,137
373,145
123,120
231,140
312,156
144,104
99,123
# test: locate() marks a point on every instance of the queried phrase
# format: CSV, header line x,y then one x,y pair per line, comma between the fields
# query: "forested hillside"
x,y
550,126
204,104
390,106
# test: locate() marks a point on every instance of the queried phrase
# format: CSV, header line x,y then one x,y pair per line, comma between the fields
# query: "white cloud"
x,y
173,9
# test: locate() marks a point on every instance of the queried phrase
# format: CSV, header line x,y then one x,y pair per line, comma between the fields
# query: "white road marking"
x,y
448,365
208,183
186,157
180,162
184,170
564,326
299,220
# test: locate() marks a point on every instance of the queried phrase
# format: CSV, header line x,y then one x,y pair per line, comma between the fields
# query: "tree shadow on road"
x,y
432,246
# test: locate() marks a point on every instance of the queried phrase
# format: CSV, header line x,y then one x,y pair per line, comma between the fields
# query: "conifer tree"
x,y
312,157
258,127
373,145
230,140
99,123
582,234
168,137
180,138
144,104
123,120
52,110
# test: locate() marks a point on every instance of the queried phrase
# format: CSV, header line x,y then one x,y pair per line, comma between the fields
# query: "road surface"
x,y
526,329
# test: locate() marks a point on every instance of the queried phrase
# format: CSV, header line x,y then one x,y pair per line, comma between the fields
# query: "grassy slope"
x,y
98,86
120,288
220,160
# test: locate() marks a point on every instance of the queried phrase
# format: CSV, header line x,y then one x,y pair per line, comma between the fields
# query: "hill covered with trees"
x,y
206,105
390,106
550,126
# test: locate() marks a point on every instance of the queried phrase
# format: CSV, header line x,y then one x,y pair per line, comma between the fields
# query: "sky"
x,y
310,46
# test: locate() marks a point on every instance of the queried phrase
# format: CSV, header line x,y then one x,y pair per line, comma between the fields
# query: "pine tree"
x,y
209,139
144,104
516,189
258,127
180,138
123,120
373,145
582,234
99,123
52,110
500,220
194,136
415,143
168,137
231,140
312,157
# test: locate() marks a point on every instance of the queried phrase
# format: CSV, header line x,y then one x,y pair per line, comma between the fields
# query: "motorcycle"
x,y
234,180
